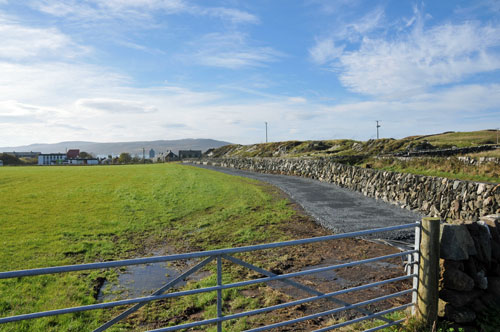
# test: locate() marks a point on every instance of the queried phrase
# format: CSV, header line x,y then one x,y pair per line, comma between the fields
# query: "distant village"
x,y
77,157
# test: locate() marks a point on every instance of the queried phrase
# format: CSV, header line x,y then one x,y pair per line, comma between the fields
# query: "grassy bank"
x,y
448,168
64,215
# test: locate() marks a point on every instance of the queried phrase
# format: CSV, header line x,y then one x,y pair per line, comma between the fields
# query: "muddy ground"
x,y
297,258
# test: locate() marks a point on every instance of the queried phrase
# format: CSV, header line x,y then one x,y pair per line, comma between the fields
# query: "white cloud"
x,y
325,51
118,106
136,10
443,54
21,42
233,15
413,58
231,51
297,100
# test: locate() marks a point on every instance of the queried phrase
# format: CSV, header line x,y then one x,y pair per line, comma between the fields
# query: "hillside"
x,y
346,147
119,147
446,155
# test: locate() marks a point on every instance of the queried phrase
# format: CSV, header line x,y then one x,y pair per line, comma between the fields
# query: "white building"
x,y
80,161
51,158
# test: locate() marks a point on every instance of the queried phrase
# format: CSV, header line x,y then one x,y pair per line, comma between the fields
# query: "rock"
x,y
456,242
458,280
495,270
487,201
459,298
484,241
494,285
493,221
480,188
451,264
478,305
480,280
470,267
459,315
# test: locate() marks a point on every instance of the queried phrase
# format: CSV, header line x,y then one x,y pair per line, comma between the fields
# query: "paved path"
x,y
338,209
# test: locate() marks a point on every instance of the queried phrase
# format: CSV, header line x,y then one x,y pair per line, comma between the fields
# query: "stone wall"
x,y
466,160
479,161
432,196
470,269
447,152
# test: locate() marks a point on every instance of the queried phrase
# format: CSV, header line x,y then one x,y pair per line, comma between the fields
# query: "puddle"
x,y
142,280
330,276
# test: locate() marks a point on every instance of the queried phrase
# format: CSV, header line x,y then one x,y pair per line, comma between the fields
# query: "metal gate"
x,y
227,254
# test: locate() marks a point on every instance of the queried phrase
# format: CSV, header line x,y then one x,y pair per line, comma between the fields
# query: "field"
x,y
62,215
65,215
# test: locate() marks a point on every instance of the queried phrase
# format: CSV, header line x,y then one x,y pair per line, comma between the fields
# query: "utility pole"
x,y
266,131
378,126
497,136
143,155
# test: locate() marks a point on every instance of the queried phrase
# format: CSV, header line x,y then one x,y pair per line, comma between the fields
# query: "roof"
x,y
73,153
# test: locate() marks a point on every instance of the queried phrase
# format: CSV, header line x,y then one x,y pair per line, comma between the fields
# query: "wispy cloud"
x,y
232,50
325,51
414,59
136,10
21,42
118,106
421,59
233,15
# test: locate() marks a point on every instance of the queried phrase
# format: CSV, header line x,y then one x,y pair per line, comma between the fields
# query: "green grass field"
x,y
53,216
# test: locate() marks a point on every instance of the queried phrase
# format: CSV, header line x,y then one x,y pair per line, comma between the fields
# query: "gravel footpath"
x,y
338,209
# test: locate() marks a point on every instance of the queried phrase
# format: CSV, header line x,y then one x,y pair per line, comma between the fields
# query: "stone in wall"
x,y
456,242
469,270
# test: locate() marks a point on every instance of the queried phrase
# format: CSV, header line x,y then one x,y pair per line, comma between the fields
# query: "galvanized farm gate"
x,y
227,254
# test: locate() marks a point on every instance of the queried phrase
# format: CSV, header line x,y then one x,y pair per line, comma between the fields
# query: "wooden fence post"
x,y
428,272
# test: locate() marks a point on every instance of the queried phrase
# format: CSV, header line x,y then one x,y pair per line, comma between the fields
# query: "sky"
x,y
126,70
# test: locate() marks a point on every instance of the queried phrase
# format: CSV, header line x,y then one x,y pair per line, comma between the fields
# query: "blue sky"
x,y
122,70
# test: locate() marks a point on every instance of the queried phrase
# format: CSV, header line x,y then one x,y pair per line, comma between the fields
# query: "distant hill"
x,y
119,147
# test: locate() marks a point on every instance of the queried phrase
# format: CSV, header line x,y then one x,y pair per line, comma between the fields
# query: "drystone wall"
x,y
470,161
432,196
470,269
447,152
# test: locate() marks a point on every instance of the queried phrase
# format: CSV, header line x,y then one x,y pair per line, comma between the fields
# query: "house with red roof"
x,y
73,153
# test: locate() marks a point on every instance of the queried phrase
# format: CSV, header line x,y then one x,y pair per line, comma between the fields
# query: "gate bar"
x,y
180,293
328,312
160,291
360,319
288,304
198,254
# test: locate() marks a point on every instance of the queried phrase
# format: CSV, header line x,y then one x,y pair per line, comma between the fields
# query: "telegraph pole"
x,y
266,131
497,136
143,155
378,126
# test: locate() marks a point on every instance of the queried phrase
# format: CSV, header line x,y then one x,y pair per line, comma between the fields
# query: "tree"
x,y
9,159
86,155
124,158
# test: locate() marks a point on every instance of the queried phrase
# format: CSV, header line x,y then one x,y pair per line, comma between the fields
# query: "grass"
x,y
346,147
451,168
409,325
463,139
65,215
